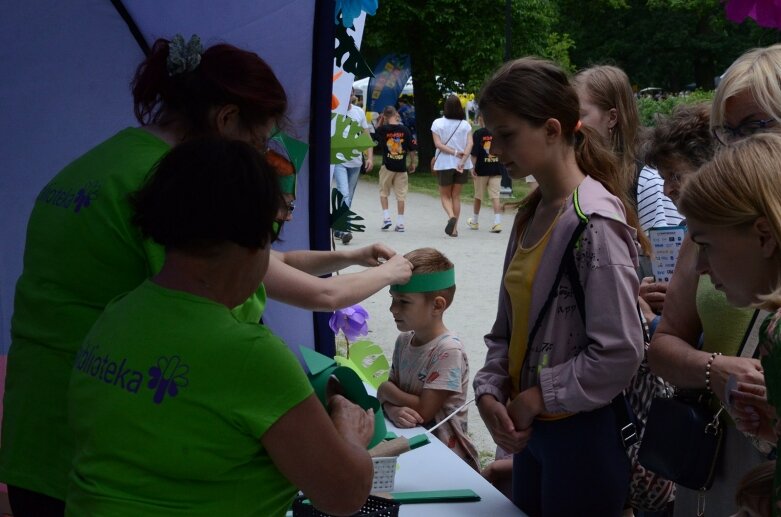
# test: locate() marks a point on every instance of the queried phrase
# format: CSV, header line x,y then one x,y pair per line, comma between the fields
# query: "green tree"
x,y
455,45
665,43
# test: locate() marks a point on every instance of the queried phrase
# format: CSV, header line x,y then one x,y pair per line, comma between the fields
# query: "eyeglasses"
x,y
727,135
291,206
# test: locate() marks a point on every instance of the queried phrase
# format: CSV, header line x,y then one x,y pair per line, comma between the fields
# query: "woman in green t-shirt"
x,y
179,408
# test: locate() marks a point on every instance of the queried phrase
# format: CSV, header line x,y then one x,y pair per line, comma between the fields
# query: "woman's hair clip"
x,y
183,57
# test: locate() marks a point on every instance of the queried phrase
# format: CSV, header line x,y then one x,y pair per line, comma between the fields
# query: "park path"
x,y
477,255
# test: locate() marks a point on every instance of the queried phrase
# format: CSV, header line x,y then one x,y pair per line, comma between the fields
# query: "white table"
x,y
435,467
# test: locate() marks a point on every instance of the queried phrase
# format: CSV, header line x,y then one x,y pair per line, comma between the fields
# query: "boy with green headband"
x,y
430,373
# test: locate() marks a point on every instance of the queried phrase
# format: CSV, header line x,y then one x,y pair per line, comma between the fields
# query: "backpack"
x,y
648,491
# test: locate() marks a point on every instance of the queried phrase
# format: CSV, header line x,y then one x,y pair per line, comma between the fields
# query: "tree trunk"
x,y
426,96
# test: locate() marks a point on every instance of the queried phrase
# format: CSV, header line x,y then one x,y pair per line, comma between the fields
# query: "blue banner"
x,y
390,76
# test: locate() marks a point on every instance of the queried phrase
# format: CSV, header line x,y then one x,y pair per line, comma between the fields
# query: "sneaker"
x,y
496,228
337,234
386,224
346,237
399,228
473,225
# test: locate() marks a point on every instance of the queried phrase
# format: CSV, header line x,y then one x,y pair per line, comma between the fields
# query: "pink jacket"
x,y
591,357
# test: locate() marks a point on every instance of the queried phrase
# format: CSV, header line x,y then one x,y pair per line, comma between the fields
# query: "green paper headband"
x,y
427,282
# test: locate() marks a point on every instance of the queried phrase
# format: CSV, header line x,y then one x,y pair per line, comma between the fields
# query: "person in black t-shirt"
x,y
396,143
487,172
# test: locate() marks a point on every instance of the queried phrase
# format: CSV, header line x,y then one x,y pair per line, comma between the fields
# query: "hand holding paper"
x,y
353,423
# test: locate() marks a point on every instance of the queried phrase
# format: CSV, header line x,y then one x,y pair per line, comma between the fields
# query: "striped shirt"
x,y
654,209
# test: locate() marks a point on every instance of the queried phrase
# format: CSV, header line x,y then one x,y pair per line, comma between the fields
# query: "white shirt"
x,y
460,129
654,209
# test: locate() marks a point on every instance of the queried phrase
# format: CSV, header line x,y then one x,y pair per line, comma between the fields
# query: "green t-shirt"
x,y
723,325
169,397
81,252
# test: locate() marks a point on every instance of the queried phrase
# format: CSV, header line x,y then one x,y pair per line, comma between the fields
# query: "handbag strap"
x,y
437,153
749,347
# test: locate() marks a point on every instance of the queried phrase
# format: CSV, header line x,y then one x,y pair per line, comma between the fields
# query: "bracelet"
x,y
707,371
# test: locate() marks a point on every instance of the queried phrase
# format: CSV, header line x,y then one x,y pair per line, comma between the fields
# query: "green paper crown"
x,y
427,282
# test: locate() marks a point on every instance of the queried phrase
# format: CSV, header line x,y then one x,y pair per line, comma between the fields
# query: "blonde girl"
x,y
567,338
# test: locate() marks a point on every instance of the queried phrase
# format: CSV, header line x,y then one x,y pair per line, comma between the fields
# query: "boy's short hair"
x,y
429,260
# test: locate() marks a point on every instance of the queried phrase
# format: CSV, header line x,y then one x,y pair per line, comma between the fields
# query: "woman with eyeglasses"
x,y
82,250
202,422
697,343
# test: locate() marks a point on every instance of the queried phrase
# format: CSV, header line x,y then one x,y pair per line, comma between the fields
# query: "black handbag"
x,y
682,439
683,435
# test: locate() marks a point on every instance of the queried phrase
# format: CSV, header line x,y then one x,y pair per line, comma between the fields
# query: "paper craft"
x,y
348,139
463,495
665,244
322,368
368,361
296,149
342,218
355,63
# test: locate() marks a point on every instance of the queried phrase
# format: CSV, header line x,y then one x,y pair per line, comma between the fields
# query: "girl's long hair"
x,y
609,88
536,90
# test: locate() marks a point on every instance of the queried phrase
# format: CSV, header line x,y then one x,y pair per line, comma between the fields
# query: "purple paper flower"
x,y
351,321
767,13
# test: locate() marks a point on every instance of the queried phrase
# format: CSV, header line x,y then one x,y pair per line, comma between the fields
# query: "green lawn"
x,y
424,182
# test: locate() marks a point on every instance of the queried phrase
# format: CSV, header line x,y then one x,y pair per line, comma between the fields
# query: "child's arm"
x,y
426,405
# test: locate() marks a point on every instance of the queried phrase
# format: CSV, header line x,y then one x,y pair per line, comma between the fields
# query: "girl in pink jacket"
x,y
567,337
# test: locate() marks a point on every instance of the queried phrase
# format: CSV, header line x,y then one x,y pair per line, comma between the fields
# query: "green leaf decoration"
x,y
355,63
368,361
348,140
342,218
296,149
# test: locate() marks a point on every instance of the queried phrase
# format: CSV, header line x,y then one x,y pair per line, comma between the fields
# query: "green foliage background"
x,y
650,108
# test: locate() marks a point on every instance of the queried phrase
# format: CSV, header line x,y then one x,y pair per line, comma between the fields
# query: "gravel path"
x,y
478,257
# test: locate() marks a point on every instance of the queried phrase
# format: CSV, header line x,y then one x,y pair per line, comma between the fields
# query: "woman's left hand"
x,y
373,255
525,407
752,412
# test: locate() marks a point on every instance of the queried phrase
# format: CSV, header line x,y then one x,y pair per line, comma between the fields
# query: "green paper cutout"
x,y
296,149
316,362
348,140
435,496
427,282
419,440
355,63
321,368
368,361
342,218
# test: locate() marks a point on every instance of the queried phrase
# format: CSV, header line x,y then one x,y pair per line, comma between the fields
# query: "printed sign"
x,y
665,244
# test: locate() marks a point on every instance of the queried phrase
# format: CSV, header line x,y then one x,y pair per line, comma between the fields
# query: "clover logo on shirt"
x,y
86,195
167,376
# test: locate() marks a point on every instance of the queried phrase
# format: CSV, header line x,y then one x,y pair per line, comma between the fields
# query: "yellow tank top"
x,y
518,280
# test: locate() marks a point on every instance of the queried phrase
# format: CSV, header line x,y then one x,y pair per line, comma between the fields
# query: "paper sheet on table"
x,y
665,244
